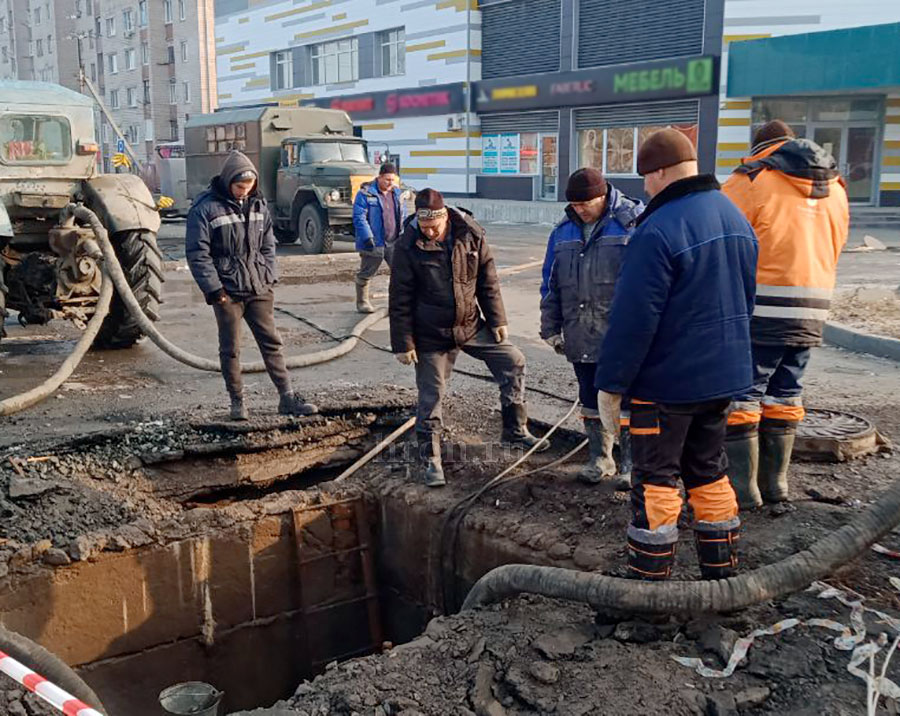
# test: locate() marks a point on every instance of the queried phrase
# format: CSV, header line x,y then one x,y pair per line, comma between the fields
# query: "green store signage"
x,y
660,79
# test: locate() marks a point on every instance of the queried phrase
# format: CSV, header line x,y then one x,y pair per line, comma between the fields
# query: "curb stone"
x,y
843,336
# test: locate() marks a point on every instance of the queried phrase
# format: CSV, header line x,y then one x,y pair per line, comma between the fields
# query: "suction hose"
x,y
48,665
744,590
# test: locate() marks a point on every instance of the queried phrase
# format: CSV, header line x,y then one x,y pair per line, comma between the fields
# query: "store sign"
x,y
490,153
418,102
657,80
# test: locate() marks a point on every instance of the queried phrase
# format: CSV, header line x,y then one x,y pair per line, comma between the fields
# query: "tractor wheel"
x,y
142,264
313,232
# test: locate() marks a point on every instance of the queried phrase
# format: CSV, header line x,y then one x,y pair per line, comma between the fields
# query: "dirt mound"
x,y
873,310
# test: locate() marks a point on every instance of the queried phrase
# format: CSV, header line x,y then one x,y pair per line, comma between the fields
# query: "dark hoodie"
x,y
229,244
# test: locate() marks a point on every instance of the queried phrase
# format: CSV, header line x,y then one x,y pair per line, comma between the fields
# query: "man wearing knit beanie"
x,y
378,215
678,344
584,254
790,191
444,298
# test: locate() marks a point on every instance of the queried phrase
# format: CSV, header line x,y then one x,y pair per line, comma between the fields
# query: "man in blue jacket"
x,y
584,255
377,220
230,249
679,345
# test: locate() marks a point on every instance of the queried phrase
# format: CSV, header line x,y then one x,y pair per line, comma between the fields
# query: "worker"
x,y
584,254
445,297
678,343
230,249
378,216
790,191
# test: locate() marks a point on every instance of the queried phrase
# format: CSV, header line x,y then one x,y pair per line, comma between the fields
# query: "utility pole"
x,y
80,63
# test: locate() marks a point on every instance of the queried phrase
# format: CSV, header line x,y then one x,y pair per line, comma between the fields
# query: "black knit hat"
x,y
430,199
585,185
771,132
387,168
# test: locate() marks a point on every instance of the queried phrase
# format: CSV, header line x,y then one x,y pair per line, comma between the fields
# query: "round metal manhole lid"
x,y
830,435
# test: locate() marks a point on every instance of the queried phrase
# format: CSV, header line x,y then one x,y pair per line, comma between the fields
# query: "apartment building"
x,y
153,61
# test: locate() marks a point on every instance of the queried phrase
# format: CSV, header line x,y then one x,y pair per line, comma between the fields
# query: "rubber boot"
x,y
431,469
600,462
362,298
717,548
294,404
651,554
238,411
623,479
743,468
515,428
776,443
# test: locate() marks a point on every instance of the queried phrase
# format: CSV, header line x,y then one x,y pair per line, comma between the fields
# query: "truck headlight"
x,y
334,196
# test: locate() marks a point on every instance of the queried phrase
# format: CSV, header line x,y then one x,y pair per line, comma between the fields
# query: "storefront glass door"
x,y
548,167
853,148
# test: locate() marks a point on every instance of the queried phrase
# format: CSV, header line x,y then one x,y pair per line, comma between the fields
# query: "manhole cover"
x,y
832,436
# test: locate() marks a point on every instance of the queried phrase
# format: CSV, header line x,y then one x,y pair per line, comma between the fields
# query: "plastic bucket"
x,y
192,698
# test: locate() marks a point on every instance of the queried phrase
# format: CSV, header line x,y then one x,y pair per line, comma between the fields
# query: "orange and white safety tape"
x,y
49,692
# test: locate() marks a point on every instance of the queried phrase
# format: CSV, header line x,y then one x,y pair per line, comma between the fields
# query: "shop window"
x,y
614,150
528,153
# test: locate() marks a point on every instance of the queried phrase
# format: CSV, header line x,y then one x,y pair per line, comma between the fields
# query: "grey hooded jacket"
x,y
230,245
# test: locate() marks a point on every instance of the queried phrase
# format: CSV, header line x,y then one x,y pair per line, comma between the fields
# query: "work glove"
x,y
407,358
609,405
556,343
501,333
369,245
218,296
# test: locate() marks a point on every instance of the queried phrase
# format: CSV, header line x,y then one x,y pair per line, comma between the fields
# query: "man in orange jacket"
x,y
791,193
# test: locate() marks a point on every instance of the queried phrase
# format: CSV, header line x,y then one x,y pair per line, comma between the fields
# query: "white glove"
x,y
556,343
407,358
609,405
501,333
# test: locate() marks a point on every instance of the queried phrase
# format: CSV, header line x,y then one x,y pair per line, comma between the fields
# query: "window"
x,y
181,10
37,16
34,139
114,99
284,75
145,53
186,86
142,13
167,10
77,8
170,54
39,48
173,91
184,52
173,129
393,52
334,62
49,44
4,51
110,27
131,96
128,20
332,152
112,63
528,153
146,91
130,59
225,137
93,72
614,150
132,134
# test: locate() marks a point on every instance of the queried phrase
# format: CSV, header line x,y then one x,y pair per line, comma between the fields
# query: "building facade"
x,y
153,61
829,69
399,67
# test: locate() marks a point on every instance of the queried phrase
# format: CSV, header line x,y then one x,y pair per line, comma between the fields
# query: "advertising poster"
x,y
509,153
490,153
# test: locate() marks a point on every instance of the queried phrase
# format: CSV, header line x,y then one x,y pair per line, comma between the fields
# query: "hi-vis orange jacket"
x,y
795,200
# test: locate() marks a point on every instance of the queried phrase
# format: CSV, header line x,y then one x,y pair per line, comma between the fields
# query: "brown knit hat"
x,y
585,185
430,204
664,148
771,131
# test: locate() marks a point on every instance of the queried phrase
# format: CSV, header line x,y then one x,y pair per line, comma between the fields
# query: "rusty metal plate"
x,y
833,436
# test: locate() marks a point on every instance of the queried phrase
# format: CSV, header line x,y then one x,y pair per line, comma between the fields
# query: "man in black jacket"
x,y
230,249
445,297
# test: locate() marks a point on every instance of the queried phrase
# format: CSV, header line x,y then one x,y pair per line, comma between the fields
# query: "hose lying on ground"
x,y
37,658
744,590
34,396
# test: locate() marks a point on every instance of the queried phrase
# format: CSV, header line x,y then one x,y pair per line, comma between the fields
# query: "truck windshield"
x,y
34,139
332,152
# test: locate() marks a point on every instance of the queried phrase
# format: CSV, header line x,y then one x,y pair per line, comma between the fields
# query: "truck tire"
x,y
313,232
142,263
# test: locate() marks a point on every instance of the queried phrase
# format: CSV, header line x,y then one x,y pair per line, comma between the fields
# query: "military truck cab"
x,y
310,166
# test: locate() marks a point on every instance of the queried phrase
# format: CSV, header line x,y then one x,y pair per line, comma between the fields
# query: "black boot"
x,y
515,428
717,548
648,560
431,470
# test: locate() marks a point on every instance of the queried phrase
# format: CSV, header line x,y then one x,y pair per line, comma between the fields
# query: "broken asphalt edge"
x,y
843,336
